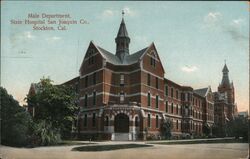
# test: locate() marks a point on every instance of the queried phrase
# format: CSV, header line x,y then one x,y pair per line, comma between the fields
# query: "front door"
x,y
121,123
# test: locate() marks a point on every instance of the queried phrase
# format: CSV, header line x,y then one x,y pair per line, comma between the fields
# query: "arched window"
x,y
136,121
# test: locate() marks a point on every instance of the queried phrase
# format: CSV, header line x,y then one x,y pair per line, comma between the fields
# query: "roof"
x,y
71,81
172,82
225,69
128,59
122,30
202,92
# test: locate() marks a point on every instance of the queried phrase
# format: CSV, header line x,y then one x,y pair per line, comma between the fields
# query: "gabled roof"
x,y
202,92
128,59
111,58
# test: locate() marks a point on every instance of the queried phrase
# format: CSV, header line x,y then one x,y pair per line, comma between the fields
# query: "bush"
x,y
42,133
15,121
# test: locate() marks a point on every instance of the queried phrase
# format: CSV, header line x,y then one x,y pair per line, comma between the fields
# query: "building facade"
x,y
225,106
125,96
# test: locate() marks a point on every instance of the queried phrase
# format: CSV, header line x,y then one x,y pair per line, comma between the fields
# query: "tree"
x,y
167,125
238,128
14,121
54,104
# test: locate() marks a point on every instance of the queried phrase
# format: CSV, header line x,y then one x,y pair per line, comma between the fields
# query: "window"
x,y
177,94
94,78
172,92
93,120
166,90
91,60
157,121
106,121
181,110
166,106
122,79
177,124
157,101
136,121
149,99
182,96
152,59
94,98
86,81
85,120
177,109
86,100
172,108
122,97
156,82
91,57
149,121
149,80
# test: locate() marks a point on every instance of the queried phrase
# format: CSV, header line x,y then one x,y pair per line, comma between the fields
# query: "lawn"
x,y
109,147
198,142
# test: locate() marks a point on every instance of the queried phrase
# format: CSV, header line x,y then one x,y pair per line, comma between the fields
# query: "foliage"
x,y
207,129
167,125
44,134
15,121
238,128
54,104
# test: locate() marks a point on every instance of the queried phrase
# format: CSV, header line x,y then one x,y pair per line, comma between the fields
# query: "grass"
x,y
70,143
109,147
199,142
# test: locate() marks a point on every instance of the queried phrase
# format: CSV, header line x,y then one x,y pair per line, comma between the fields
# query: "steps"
x,y
121,136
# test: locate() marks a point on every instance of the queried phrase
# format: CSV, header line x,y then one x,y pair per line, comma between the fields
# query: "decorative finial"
x,y
123,13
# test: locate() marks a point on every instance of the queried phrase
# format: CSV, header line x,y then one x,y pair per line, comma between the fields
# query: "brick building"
x,y
125,96
225,106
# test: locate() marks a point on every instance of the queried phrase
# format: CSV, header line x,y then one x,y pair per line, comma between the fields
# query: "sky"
x,y
193,40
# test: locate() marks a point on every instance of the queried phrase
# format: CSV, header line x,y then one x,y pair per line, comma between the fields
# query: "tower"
x,y
225,86
122,40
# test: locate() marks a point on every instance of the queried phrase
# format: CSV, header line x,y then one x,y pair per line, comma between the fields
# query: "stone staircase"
x,y
121,136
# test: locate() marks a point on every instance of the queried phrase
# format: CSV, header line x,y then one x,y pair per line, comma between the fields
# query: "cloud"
x,y
235,30
214,21
212,17
107,13
129,12
189,69
237,22
21,38
53,38
236,34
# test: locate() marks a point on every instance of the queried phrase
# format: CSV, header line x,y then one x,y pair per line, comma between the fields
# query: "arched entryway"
x,y
121,123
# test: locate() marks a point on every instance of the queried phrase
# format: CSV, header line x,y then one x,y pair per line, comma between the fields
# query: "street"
x,y
187,151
